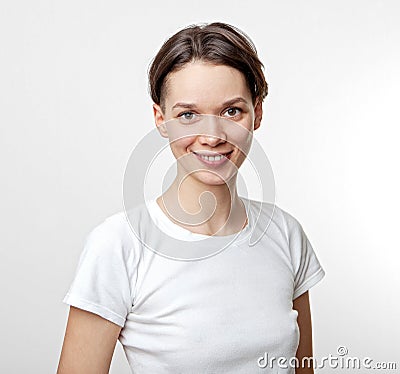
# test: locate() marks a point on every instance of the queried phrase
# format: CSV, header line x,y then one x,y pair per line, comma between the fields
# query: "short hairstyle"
x,y
217,43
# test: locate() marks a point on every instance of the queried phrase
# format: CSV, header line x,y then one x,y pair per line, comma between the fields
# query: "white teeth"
x,y
212,158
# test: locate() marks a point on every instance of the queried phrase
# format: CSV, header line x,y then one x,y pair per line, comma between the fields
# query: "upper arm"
x,y
302,305
89,343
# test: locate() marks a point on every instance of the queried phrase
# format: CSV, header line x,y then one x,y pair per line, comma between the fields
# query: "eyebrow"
x,y
235,100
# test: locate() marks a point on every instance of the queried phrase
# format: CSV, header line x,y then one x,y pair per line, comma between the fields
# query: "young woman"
x,y
236,310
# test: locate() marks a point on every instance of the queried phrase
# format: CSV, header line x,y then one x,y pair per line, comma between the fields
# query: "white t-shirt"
x,y
215,315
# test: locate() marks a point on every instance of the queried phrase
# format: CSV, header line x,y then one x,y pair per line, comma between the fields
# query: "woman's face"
x,y
221,91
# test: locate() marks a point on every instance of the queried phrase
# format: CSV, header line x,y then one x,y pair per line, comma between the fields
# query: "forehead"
x,y
204,83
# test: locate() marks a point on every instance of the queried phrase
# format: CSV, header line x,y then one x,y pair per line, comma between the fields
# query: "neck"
x,y
208,209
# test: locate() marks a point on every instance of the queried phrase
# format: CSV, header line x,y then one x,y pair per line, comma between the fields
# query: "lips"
x,y
208,153
213,158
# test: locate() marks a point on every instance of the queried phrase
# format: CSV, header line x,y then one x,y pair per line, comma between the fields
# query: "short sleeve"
x,y
306,266
102,282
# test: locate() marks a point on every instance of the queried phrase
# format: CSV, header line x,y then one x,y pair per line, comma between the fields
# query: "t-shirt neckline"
x,y
173,229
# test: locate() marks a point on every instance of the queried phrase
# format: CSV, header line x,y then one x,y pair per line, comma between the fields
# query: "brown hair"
x,y
217,43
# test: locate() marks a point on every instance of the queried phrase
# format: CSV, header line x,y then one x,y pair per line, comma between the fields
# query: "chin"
x,y
210,179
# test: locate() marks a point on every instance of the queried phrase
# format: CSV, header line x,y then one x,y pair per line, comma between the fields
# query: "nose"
x,y
212,132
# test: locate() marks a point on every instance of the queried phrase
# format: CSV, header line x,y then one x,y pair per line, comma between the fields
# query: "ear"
x,y
258,113
159,120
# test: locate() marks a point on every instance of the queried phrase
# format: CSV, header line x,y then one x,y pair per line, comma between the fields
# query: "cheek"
x,y
248,121
241,136
180,145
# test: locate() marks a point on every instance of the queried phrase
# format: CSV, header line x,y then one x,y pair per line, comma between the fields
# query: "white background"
x,y
74,103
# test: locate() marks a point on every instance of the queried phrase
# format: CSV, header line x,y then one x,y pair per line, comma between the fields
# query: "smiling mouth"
x,y
213,158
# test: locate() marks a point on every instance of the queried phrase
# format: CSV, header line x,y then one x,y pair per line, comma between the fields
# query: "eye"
x,y
232,112
187,117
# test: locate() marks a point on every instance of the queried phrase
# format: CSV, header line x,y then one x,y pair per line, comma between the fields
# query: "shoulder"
x,y
112,227
111,236
274,217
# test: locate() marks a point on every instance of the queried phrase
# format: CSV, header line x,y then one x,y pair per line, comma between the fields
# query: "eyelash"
x,y
182,114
